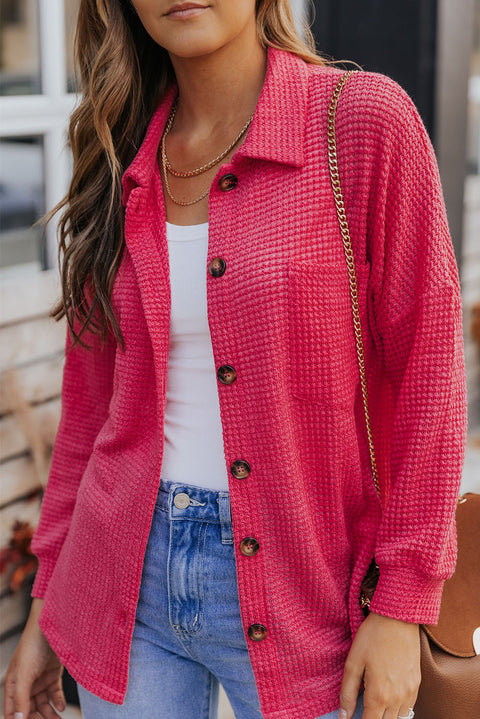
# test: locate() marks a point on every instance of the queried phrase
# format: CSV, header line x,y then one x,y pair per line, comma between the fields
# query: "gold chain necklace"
x,y
191,173
172,197
206,166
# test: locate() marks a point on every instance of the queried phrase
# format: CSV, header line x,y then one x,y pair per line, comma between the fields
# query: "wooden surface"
x,y
31,360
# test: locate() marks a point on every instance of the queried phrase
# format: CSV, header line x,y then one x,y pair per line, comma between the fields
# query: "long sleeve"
x,y
417,317
86,392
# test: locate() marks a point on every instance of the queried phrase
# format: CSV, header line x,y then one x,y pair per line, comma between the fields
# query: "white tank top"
x,y
193,445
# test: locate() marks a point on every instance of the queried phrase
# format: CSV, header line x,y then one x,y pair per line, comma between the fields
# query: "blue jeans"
x,y
188,633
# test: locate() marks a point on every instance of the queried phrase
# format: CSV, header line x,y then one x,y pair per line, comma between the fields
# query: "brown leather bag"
x,y
450,650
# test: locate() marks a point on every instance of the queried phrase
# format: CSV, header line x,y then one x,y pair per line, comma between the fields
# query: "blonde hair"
x,y
276,28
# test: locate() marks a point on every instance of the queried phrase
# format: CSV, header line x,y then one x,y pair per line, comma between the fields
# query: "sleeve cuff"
x,y
402,593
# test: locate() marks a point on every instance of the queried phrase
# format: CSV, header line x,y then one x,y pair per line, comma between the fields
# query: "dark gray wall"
x,y
395,38
425,45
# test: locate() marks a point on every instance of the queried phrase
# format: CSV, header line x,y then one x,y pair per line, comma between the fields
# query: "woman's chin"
x,y
194,48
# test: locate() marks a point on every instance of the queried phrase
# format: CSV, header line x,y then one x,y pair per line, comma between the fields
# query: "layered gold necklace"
x,y
167,167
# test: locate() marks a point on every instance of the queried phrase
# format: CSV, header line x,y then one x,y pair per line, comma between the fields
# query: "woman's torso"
x,y
280,316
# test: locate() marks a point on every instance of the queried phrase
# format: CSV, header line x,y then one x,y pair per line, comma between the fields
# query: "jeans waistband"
x,y
196,504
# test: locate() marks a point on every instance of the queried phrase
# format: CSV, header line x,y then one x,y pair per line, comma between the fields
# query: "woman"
x,y
217,527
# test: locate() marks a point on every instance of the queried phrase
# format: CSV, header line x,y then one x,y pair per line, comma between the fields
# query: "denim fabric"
x,y
188,633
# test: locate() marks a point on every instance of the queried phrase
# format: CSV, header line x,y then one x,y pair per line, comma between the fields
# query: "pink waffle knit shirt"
x,y
280,315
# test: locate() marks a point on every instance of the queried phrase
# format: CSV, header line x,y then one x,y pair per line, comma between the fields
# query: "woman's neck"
x,y
218,90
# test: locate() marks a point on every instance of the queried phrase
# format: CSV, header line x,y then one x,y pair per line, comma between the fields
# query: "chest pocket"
x,y
323,360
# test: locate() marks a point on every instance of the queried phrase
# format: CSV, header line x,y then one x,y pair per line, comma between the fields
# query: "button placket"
x,y
226,374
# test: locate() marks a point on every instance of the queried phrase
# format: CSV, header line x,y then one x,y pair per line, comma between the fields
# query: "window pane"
x,y
19,47
71,12
21,200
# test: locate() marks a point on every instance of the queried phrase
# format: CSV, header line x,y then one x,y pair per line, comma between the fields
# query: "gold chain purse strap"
x,y
447,688
371,578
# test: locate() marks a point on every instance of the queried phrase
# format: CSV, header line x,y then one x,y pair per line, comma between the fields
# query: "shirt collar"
x,y
276,133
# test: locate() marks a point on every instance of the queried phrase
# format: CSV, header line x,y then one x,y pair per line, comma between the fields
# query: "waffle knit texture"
x,y
280,315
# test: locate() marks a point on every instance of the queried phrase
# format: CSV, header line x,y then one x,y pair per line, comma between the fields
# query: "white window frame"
x,y
46,114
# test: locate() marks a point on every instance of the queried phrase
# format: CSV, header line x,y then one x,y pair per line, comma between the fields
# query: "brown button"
x,y
228,182
240,469
226,374
217,267
249,546
257,632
